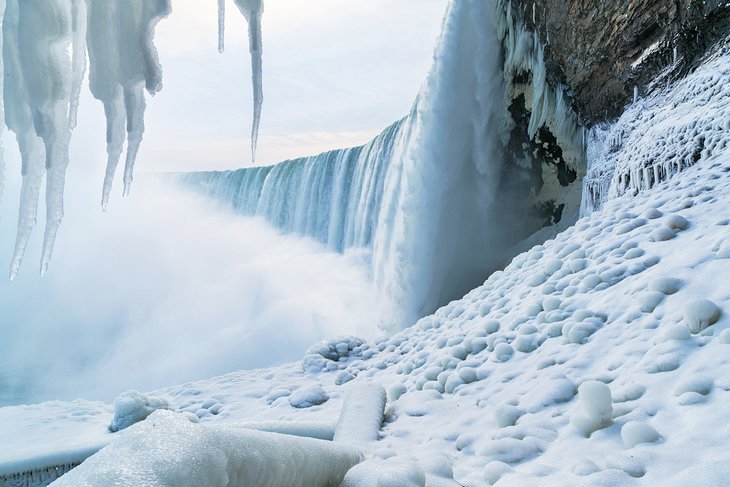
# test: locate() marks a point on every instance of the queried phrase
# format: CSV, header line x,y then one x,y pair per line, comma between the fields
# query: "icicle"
x,y
221,25
118,75
78,60
253,11
636,93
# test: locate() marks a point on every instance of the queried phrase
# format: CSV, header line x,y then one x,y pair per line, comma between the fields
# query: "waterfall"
x,y
423,197
333,197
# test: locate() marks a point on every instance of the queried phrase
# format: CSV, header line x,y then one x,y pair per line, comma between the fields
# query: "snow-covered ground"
x,y
601,357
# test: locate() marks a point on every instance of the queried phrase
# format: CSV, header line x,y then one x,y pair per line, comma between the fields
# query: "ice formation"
x,y
123,62
659,136
167,449
252,10
44,63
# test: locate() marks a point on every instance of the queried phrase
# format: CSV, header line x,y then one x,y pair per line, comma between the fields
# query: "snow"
x,y
596,408
607,369
661,135
700,313
636,432
132,407
306,397
362,413
167,449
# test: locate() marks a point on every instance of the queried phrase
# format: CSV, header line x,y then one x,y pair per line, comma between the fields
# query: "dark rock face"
x,y
601,50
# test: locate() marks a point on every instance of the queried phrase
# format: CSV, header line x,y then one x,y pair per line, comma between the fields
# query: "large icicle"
x,y
41,84
123,62
253,11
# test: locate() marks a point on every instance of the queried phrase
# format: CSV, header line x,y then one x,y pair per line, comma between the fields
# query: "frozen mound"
x,y
332,354
168,450
132,407
661,135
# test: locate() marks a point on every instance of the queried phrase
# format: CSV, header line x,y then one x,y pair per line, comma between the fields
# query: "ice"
x,y
123,62
253,10
221,25
700,314
362,413
167,449
385,473
132,407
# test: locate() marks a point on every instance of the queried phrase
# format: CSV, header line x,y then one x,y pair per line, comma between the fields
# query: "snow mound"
x,y
596,408
332,354
308,396
700,313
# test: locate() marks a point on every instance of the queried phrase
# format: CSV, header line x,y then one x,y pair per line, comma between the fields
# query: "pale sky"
x,y
336,72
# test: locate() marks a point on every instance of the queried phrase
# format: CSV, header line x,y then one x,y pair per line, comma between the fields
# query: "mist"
x,y
164,289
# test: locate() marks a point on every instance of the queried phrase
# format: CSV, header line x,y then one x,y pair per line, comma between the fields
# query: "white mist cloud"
x,y
164,289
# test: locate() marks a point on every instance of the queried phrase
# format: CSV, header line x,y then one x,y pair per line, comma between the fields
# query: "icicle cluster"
x,y
43,65
252,10
547,104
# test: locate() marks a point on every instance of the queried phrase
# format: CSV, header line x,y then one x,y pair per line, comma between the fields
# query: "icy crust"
x,y
661,135
168,450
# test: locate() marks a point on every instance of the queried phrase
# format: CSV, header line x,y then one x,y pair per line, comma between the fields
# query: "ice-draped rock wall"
x,y
661,135
441,197
44,49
